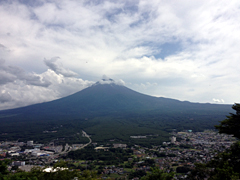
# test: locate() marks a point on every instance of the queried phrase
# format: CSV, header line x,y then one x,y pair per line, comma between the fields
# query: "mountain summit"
x,y
107,80
108,110
108,98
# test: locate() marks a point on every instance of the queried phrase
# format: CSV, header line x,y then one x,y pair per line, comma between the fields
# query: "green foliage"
x,y
102,129
199,172
60,163
3,167
158,154
182,169
225,165
139,174
157,174
231,125
39,174
110,157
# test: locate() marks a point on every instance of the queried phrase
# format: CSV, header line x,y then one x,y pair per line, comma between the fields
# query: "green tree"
x,y
139,173
225,165
37,173
157,174
3,168
231,125
60,163
199,172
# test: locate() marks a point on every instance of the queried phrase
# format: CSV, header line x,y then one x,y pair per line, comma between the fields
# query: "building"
x,y
119,145
173,139
14,154
29,143
18,163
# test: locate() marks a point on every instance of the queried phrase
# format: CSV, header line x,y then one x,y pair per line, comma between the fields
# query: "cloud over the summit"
x,y
107,80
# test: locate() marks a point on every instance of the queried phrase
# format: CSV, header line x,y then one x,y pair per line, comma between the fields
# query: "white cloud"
x,y
5,97
218,100
13,74
59,69
28,89
125,40
107,80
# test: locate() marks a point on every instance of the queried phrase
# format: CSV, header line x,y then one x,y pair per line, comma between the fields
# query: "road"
x,y
90,140
68,148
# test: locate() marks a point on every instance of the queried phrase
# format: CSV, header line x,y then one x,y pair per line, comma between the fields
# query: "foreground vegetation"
x,y
66,174
40,174
225,165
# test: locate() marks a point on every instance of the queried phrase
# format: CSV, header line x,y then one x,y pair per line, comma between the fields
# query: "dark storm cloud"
x,y
35,80
6,77
5,97
3,48
58,69
11,74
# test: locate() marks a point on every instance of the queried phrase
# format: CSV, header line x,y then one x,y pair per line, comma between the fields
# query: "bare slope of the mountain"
x,y
112,99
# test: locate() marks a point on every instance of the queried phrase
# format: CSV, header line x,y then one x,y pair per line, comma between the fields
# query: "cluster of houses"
x,y
113,169
199,147
14,149
26,154
184,149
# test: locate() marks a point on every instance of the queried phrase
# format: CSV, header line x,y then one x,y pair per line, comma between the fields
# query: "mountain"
x,y
108,99
106,103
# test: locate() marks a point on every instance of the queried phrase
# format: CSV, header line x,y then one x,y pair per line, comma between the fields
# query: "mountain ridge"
x,y
109,111
109,98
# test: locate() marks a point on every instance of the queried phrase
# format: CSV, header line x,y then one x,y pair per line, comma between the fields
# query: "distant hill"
x,y
106,102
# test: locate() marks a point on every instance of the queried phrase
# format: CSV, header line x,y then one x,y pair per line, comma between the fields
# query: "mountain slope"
x,y
110,99
109,111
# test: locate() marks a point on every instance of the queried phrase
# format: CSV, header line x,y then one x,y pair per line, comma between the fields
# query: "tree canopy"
x,y
225,165
37,173
231,125
156,174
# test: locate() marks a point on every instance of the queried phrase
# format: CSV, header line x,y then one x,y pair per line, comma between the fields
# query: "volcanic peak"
x,y
107,80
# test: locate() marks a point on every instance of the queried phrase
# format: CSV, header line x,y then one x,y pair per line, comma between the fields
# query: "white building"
x,y
14,154
173,139
119,145
29,143
18,163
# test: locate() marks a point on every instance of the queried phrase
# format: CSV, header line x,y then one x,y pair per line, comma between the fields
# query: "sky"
x,y
181,49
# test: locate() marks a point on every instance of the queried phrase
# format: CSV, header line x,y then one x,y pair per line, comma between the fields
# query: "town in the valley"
x,y
118,160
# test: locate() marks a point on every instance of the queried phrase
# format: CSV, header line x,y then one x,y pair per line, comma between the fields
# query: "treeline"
x,y
102,129
38,173
113,156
